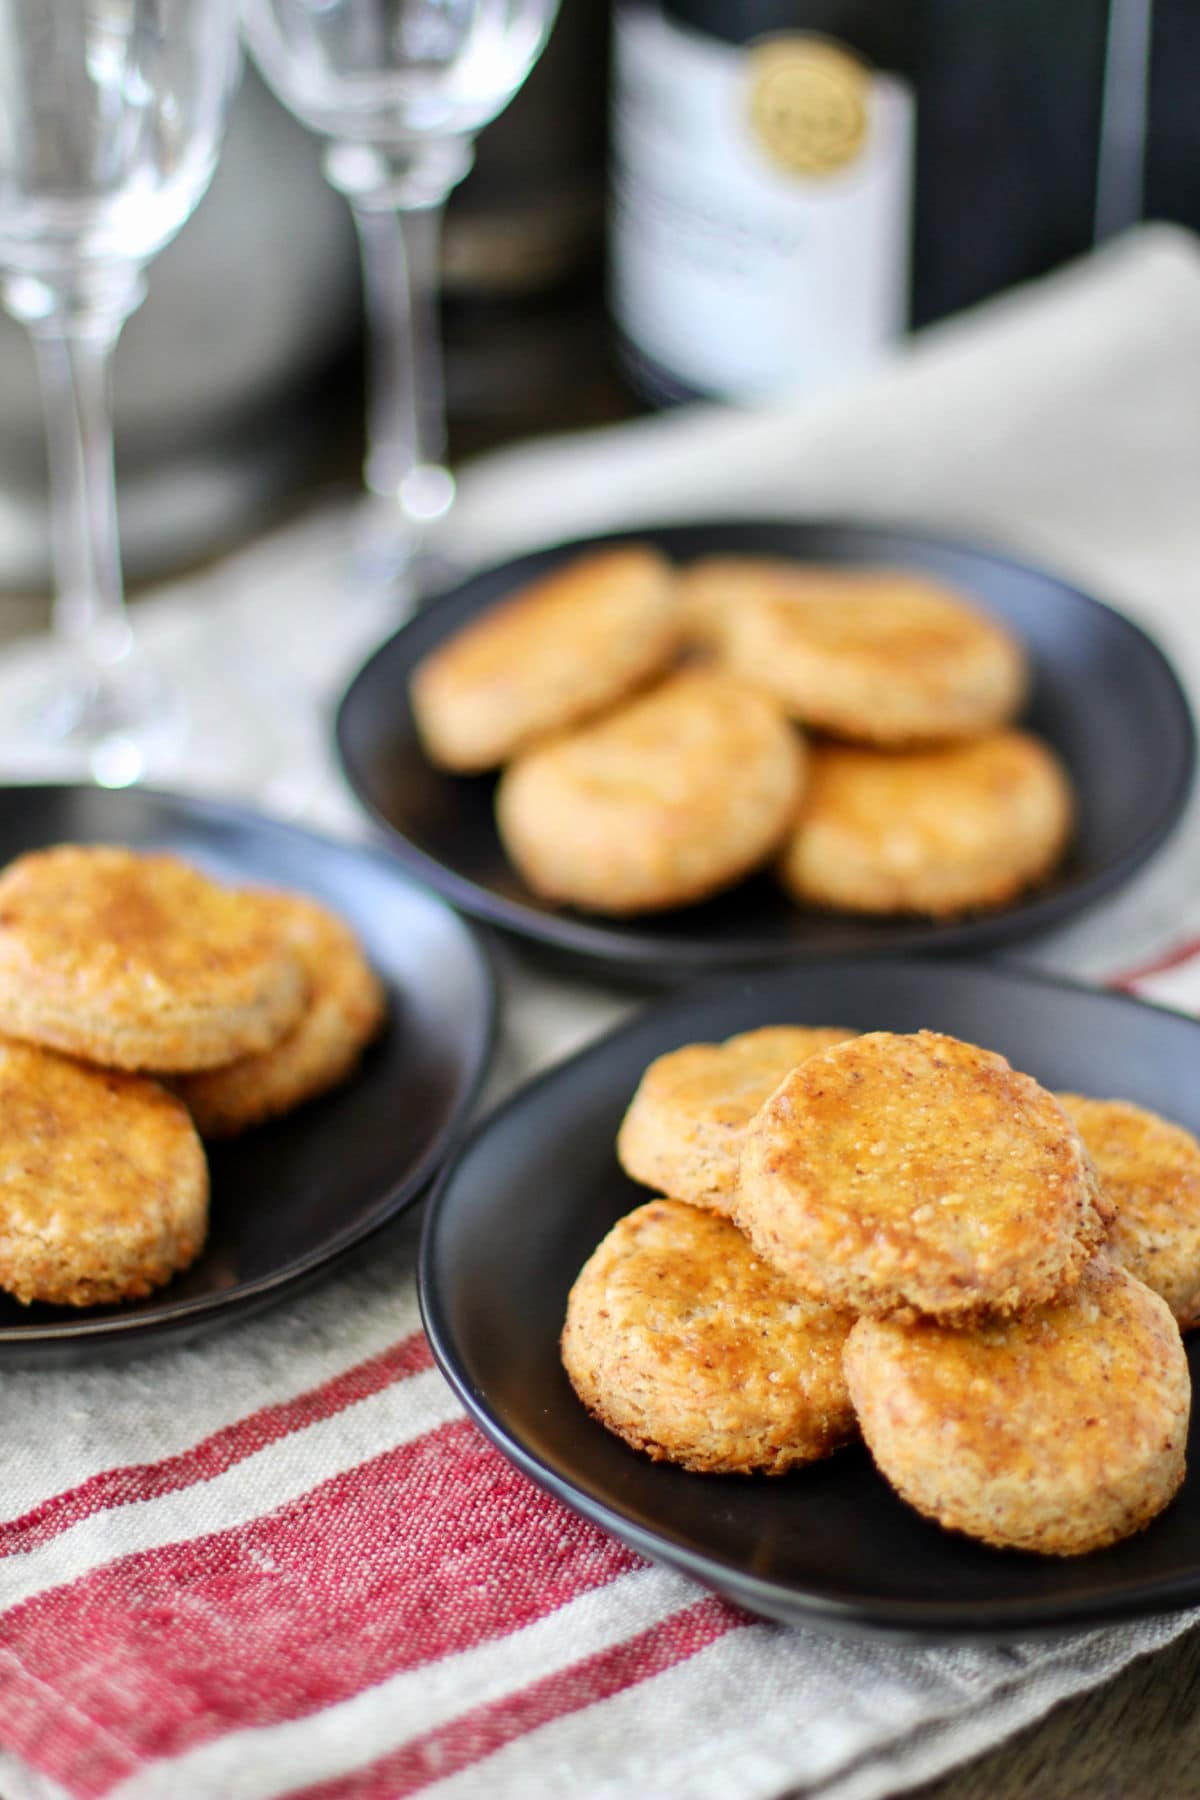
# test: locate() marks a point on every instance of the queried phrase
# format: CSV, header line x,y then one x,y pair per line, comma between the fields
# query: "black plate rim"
x,y
169,1315
625,945
929,1621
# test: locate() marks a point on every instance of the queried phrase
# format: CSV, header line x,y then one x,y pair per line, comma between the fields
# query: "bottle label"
x,y
760,207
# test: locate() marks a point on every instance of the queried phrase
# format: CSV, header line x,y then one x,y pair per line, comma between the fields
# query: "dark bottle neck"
x,y
881,30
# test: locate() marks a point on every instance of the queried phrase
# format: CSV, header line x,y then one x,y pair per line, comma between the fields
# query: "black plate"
x,y
530,1195
1104,696
288,1197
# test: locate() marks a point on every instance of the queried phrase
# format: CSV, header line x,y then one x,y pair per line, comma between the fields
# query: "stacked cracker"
x,y
921,798
655,726
905,1236
116,968
628,785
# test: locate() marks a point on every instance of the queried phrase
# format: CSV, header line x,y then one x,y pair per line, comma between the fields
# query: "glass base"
x,y
117,724
396,554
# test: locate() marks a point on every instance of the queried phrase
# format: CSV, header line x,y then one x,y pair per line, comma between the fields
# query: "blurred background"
x,y
1001,138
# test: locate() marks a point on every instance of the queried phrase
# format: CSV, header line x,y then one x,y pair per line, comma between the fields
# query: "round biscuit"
x,y
571,643
345,1009
103,1181
1057,1432
682,1133
937,832
878,656
1150,1172
139,961
920,1174
680,1340
673,796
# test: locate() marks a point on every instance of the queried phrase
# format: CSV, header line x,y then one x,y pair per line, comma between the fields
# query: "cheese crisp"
x,y
686,1344
571,643
139,961
668,799
878,656
344,1011
1058,1432
103,1182
1149,1170
941,831
919,1173
684,1128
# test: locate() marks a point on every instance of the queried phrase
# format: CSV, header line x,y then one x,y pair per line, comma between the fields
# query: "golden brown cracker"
x,y
682,1133
684,1343
345,1009
1058,1432
103,1181
918,1173
875,655
1149,1170
938,831
571,643
671,797
138,961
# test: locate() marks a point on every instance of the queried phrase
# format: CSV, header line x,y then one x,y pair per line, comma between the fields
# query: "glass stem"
x,y
406,423
398,200
74,353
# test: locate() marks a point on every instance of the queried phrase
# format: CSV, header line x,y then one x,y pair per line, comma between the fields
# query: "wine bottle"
x,y
761,191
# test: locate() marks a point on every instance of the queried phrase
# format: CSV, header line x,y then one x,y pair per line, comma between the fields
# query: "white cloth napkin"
x,y
1062,422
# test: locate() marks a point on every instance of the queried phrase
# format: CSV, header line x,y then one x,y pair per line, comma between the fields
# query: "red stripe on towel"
x,y
427,1550
214,1454
477,1734
1175,958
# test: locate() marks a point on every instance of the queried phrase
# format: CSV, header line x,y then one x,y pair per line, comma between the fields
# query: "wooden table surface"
x,y
1136,1738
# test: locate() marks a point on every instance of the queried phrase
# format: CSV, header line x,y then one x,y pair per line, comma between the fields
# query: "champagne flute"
x,y
400,88
111,118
